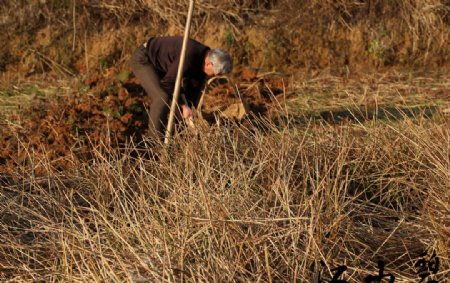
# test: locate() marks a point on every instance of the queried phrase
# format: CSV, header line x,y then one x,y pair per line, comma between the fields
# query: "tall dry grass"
x,y
34,14
263,203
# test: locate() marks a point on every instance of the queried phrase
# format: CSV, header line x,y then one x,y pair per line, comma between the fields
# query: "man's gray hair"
x,y
221,60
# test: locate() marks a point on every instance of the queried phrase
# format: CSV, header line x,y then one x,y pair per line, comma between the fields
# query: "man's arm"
x,y
193,89
185,108
183,100
168,81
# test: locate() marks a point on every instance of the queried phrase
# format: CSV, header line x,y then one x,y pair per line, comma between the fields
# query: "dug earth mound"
x,y
113,112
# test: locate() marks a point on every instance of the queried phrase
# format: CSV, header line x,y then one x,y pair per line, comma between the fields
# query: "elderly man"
x,y
155,64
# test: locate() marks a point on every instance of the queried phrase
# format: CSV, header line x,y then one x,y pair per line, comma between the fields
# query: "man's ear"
x,y
207,61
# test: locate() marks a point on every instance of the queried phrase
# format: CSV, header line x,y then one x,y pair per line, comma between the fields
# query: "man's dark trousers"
x,y
149,80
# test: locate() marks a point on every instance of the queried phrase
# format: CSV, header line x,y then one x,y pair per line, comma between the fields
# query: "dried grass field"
x,y
281,199
307,164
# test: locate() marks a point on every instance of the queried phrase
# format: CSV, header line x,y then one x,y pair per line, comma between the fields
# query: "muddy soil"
x,y
65,130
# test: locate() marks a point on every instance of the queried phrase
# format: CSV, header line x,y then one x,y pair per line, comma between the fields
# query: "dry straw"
x,y
262,203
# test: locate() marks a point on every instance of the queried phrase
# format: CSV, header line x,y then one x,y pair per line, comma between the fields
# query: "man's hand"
x,y
187,112
187,115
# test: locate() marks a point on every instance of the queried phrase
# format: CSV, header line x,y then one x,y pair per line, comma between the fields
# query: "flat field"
x,y
324,172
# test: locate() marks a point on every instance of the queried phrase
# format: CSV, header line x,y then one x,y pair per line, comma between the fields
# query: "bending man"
x,y
155,64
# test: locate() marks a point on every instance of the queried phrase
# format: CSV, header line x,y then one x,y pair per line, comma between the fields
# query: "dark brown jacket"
x,y
164,55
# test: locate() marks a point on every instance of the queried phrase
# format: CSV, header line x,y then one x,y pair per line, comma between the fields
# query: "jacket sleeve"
x,y
168,81
193,89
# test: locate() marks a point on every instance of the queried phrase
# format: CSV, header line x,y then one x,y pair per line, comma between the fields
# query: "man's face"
x,y
209,68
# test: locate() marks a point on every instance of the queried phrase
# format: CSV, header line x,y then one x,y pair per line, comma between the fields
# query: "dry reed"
x,y
262,203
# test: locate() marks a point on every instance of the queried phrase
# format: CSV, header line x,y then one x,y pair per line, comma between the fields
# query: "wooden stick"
x,y
176,91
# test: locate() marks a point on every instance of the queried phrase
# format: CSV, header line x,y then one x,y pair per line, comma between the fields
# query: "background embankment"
x,y
74,37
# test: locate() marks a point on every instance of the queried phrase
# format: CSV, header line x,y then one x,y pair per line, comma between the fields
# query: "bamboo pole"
x,y
176,91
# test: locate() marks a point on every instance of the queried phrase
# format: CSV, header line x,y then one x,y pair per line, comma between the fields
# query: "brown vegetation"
x,y
73,37
234,204
262,200
112,111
